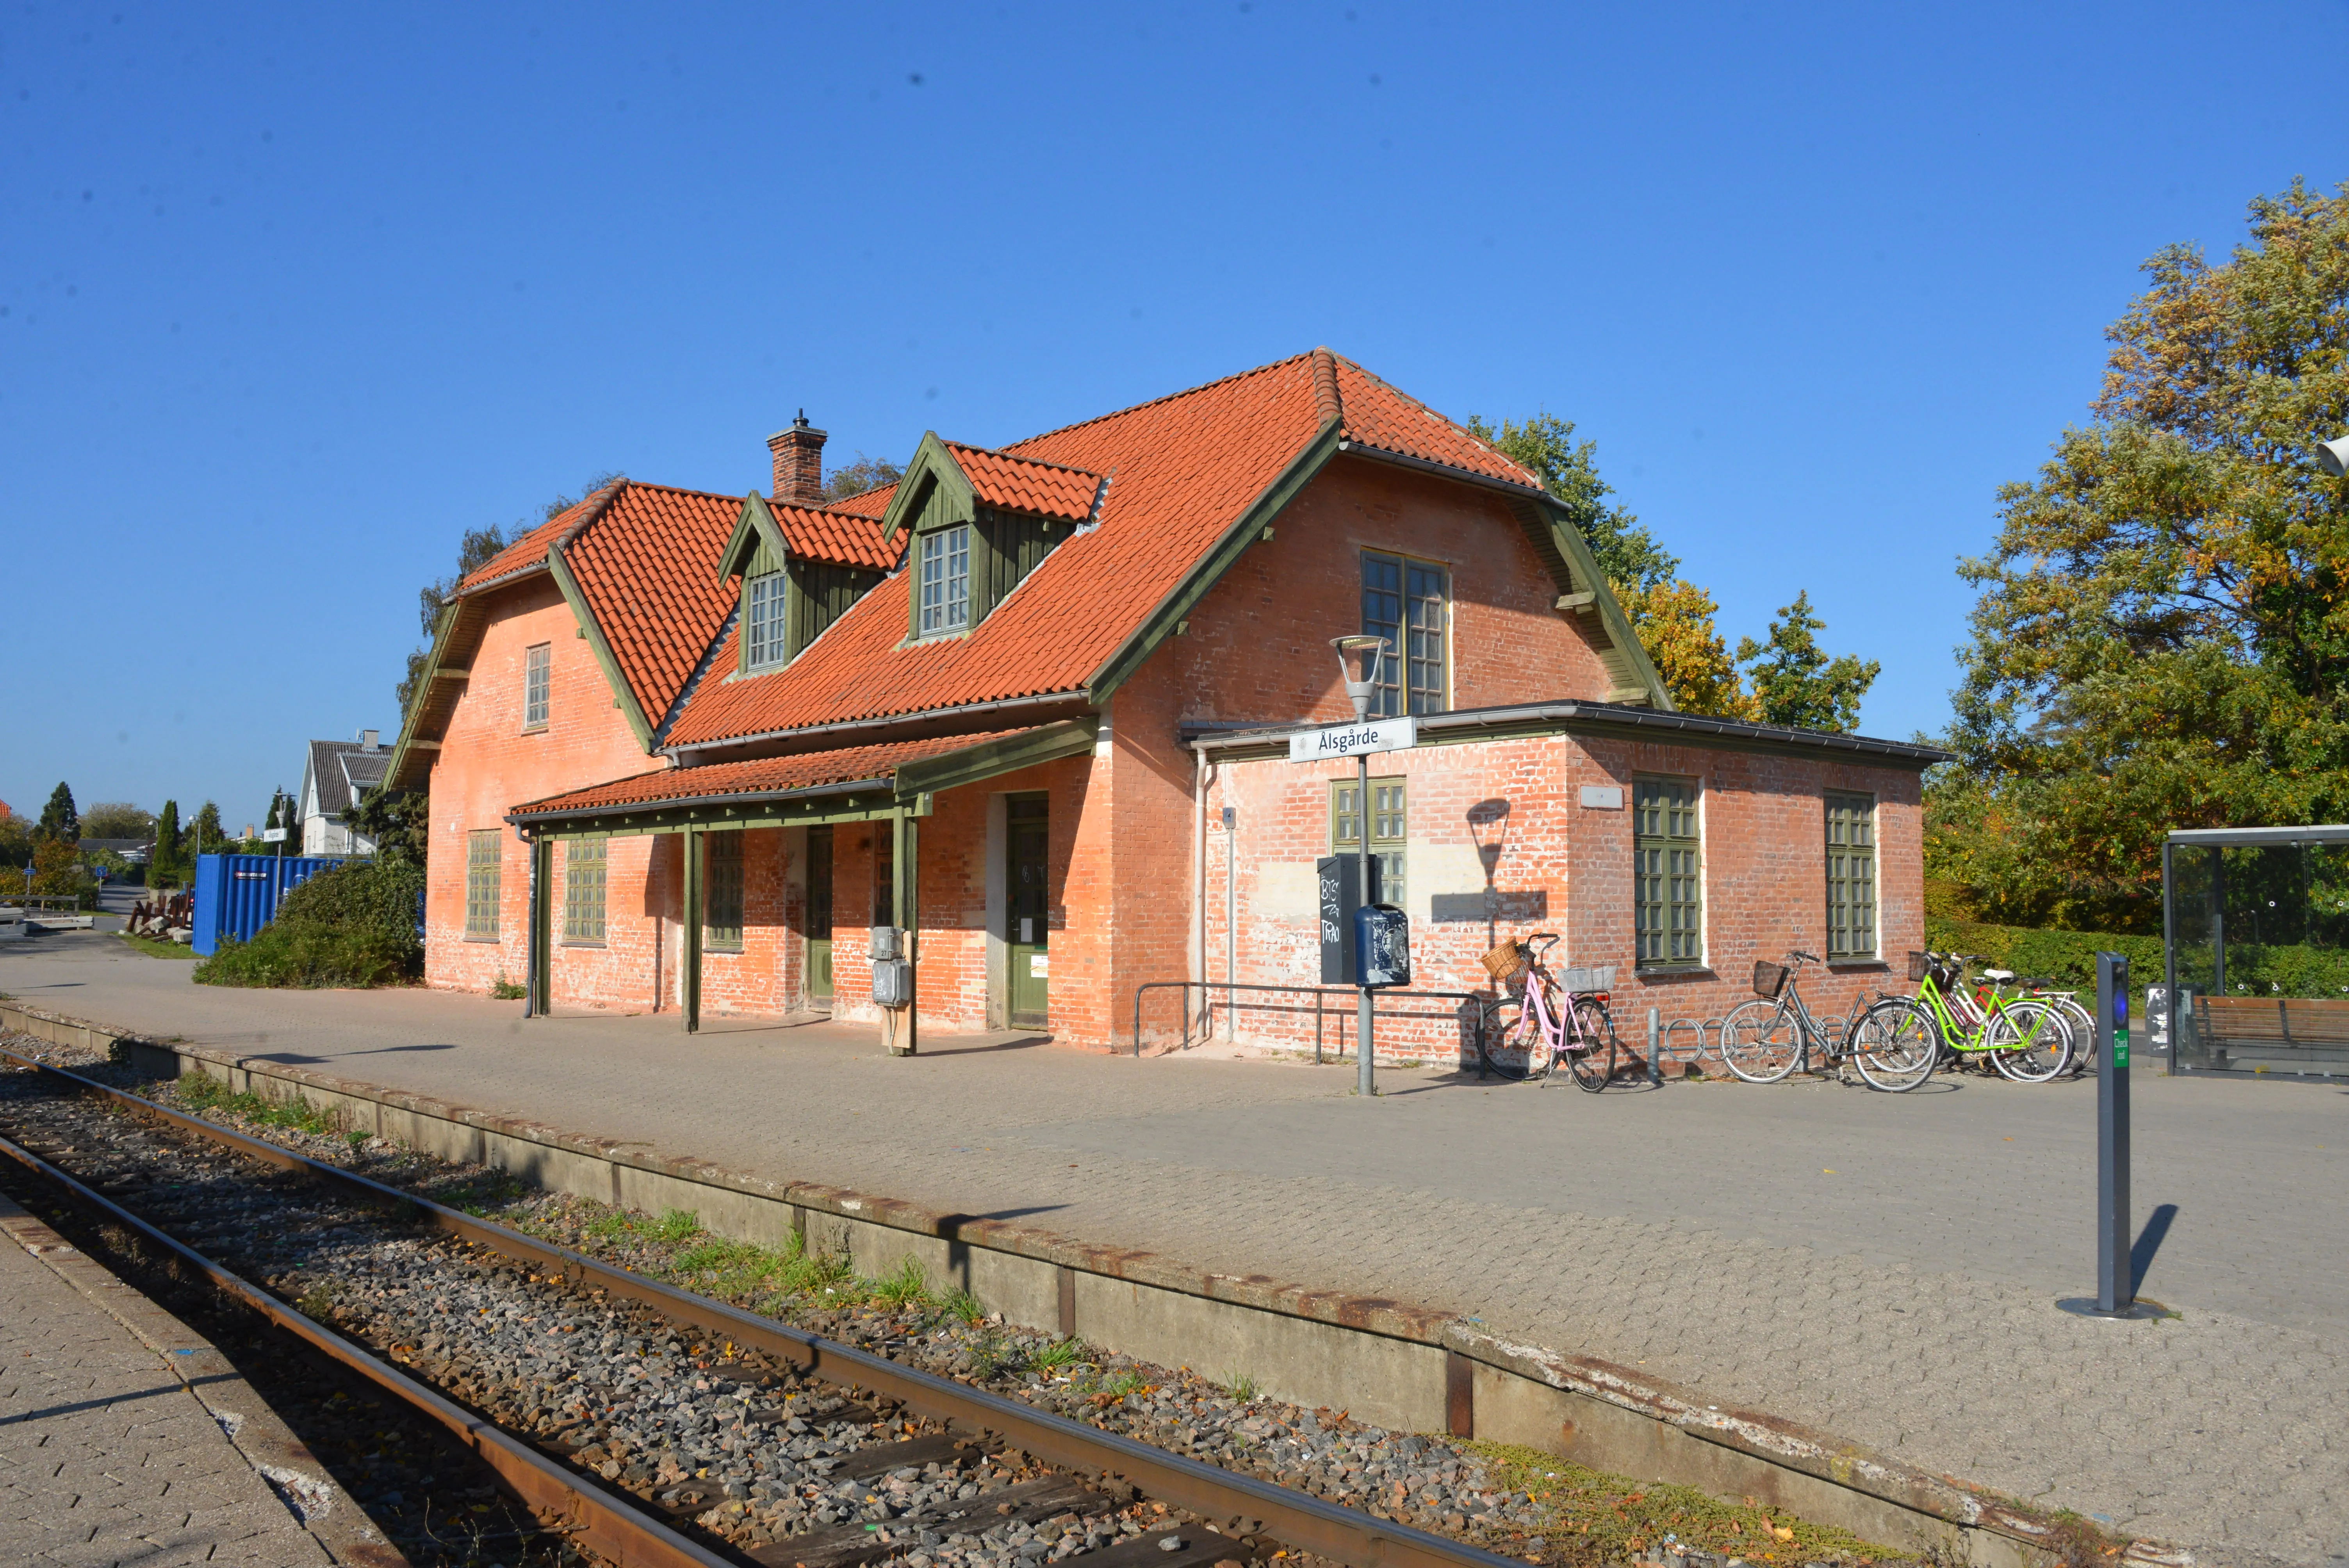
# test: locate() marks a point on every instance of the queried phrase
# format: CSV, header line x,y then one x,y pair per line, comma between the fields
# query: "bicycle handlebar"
x,y
1547,940
1807,957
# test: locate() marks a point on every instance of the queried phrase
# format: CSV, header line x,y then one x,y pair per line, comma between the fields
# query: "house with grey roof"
x,y
334,778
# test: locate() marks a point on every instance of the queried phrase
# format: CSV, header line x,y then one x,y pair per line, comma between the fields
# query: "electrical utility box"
x,y
1339,895
892,982
1382,936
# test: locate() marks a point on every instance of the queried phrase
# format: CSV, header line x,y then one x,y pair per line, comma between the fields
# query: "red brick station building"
x,y
685,749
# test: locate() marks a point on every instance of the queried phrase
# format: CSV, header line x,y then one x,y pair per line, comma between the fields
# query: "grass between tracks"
x,y
1595,1516
1587,1518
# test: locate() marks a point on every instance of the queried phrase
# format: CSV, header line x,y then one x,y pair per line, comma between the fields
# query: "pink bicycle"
x,y
1549,1017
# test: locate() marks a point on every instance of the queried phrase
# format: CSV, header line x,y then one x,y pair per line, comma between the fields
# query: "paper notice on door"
x,y
1039,966
1027,928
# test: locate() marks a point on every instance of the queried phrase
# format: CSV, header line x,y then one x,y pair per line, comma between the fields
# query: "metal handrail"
x,y
1317,993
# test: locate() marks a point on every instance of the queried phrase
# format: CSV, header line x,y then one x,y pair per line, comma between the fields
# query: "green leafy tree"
x,y
15,845
1627,553
205,834
1675,622
1795,683
2162,637
863,474
401,823
57,872
117,819
165,868
59,820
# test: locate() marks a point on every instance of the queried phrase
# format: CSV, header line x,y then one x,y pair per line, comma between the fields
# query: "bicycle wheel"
x,y
1896,1045
1761,1041
1505,1019
2029,1042
1594,1062
2083,1024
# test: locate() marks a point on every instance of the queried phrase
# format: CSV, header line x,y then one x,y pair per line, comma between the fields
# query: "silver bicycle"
x,y
1768,1038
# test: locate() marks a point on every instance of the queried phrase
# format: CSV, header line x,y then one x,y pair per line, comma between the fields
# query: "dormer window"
x,y
945,582
762,621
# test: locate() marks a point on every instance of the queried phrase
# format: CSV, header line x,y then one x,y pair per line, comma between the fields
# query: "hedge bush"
x,y
353,925
2070,957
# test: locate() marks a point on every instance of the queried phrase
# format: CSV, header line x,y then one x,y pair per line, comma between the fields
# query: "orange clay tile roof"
x,y
842,538
529,553
869,503
642,555
765,776
1182,470
1022,484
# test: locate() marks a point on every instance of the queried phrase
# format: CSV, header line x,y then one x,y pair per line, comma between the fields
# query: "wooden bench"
x,y
2273,1033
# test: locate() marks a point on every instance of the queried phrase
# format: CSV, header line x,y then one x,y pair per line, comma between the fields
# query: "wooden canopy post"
x,y
903,847
693,892
538,1003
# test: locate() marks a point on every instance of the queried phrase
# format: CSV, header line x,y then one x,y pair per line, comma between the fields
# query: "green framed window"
x,y
583,889
1851,875
1668,871
1406,601
483,853
537,683
1389,823
944,579
721,898
762,621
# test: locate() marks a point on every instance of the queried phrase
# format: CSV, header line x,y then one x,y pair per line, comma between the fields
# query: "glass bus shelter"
x,y
2255,931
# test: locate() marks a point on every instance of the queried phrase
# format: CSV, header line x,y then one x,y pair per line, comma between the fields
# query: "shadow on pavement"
x,y
2148,1242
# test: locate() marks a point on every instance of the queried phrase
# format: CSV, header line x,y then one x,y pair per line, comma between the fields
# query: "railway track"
x,y
873,1461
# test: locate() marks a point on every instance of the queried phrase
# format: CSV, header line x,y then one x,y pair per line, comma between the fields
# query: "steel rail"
x,y
1296,1519
610,1527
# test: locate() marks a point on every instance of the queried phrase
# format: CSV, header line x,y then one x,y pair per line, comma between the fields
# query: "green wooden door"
x,y
819,915
1025,845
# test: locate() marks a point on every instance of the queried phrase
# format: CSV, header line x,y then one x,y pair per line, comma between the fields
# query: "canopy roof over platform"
x,y
2253,838
883,780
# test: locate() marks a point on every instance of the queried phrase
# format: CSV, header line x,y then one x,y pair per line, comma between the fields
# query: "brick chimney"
x,y
799,463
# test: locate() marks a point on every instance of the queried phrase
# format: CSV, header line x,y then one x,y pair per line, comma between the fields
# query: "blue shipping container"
x,y
237,896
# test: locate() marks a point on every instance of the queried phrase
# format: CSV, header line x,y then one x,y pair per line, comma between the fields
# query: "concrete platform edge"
x,y
253,1429
1385,1362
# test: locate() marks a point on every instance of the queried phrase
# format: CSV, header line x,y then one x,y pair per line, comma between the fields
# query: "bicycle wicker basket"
x,y
1583,982
1917,967
1506,962
1769,978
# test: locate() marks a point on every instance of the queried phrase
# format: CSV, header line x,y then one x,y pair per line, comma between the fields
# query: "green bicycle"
x,y
2026,1040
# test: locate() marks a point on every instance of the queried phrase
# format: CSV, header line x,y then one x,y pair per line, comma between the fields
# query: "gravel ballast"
x,y
746,1449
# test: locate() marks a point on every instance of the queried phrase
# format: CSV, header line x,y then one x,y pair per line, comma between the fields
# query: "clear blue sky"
x,y
293,295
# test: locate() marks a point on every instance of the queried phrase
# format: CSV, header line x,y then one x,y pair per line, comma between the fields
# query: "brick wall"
x,y
1556,865
1124,823
487,764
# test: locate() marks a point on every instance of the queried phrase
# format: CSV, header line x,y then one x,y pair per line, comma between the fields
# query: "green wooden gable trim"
x,y
755,531
423,698
1563,550
1248,530
933,491
935,775
633,710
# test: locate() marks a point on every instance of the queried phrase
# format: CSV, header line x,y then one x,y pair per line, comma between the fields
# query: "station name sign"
x,y
1353,739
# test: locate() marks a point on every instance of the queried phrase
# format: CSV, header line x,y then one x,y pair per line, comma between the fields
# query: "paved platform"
x,y
1880,1266
127,1439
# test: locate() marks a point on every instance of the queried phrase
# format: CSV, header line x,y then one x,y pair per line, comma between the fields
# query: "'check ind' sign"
x,y
1353,739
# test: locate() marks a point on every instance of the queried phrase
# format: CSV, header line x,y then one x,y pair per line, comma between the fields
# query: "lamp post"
x,y
1366,654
